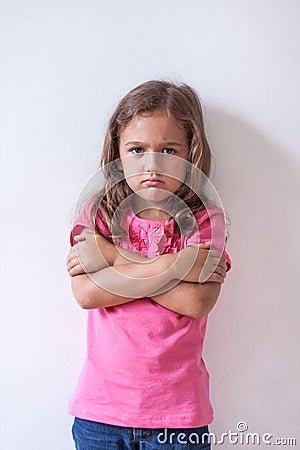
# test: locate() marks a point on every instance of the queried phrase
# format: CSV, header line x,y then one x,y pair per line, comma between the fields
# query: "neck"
x,y
149,210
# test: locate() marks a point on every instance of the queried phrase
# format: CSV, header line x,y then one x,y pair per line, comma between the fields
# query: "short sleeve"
x,y
211,228
83,220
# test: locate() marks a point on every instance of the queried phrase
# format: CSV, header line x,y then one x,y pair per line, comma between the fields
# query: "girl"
x,y
141,263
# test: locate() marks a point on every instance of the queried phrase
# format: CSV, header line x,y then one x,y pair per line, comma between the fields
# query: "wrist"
x,y
167,263
183,263
107,249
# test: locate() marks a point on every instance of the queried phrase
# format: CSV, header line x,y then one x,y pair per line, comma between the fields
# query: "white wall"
x,y
64,66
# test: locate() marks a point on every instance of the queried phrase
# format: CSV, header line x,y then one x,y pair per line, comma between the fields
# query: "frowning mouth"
x,y
152,181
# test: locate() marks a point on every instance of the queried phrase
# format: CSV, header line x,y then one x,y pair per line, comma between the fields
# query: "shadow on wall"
x,y
252,350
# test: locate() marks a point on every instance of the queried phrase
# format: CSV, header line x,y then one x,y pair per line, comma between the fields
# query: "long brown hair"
x,y
179,101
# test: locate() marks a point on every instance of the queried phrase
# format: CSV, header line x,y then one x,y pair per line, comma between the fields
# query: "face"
x,y
153,151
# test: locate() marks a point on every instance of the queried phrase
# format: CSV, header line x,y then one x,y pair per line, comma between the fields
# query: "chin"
x,y
153,194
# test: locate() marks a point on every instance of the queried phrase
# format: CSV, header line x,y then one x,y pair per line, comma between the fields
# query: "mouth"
x,y
152,181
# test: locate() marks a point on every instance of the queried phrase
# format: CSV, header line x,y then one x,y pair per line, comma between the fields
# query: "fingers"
x,y
73,265
216,278
218,268
76,270
222,265
71,262
218,275
71,255
216,264
220,271
213,253
79,237
204,244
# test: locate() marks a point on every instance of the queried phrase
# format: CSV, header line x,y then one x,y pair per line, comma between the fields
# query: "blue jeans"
x,y
89,435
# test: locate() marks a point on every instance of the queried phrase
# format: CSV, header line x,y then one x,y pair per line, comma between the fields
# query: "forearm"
x,y
135,280
90,296
111,254
129,279
189,299
122,283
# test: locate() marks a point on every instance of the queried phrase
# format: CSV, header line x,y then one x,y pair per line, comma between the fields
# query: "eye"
x,y
136,150
169,151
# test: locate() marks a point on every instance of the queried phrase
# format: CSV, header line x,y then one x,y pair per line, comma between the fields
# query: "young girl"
x,y
147,261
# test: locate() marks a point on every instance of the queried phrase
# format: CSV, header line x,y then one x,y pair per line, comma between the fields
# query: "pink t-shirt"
x,y
143,366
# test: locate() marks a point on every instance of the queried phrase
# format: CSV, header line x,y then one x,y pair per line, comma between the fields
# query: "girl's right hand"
x,y
199,264
91,253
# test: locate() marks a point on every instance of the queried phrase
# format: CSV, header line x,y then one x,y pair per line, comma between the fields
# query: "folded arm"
x,y
190,299
106,286
156,279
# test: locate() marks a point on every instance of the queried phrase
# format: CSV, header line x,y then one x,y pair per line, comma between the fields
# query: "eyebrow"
x,y
164,143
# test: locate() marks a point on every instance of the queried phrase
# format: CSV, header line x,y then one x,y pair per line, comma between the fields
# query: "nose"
x,y
152,162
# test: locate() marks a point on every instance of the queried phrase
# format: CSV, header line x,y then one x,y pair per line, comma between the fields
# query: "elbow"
x,y
207,299
201,311
84,303
82,292
198,314
82,300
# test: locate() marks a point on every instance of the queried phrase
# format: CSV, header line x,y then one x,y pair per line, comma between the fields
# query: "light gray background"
x,y
64,66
